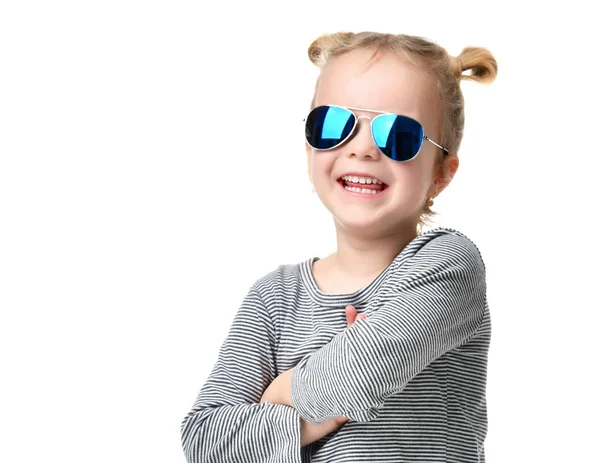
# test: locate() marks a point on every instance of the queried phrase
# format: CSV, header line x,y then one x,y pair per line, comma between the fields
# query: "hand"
x,y
279,392
352,315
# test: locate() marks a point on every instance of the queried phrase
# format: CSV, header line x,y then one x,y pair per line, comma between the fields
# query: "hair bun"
x,y
322,45
480,61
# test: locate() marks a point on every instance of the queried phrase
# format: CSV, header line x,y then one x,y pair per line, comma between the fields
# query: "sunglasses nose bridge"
x,y
358,120
366,117
370,148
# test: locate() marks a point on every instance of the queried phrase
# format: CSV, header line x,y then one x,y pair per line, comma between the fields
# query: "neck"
x,y
365,256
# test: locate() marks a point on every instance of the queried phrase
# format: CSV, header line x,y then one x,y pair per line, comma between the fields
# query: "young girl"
x,y
378,352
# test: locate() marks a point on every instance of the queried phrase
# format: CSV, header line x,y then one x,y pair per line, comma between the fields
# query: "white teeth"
x,y
361,190
363,180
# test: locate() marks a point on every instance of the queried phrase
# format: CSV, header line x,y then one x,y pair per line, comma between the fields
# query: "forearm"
x,y
332,383
249,432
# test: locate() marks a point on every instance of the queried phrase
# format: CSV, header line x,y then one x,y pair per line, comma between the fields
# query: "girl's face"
x,y
386,84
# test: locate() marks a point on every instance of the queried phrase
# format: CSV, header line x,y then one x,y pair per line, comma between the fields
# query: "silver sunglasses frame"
x,y
380,113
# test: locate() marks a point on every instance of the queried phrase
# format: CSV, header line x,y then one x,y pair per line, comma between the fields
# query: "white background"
x,y
133,219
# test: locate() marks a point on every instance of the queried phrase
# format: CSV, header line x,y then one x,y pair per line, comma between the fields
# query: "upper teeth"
x,y
367,180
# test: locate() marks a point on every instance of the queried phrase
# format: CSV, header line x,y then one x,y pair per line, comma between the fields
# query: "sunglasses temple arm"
x,y
439,146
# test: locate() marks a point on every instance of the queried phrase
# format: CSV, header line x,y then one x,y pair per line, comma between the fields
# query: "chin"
x,y
362,225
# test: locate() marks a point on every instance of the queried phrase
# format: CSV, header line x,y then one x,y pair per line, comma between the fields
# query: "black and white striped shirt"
x,y
411,377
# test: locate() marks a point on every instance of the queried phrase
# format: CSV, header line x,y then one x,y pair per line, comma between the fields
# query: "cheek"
x,y
321,165
411,181
408,172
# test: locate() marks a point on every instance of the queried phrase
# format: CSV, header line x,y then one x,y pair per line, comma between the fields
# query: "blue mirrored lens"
x,y
398,137
328,126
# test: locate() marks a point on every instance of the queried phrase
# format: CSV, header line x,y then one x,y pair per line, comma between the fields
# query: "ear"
x,y
308,158
439,182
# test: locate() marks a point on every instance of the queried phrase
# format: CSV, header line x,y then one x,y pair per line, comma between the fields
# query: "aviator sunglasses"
x,y
398,137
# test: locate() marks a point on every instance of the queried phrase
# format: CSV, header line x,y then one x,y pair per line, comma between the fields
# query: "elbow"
x,y
192,438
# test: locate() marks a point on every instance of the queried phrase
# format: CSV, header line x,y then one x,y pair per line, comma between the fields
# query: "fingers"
x,y
310,432
341,420
352,315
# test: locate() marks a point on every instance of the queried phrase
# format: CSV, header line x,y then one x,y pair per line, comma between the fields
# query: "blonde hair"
x,y
445,70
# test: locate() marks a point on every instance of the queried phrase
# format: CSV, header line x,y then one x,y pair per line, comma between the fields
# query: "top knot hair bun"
x,y
480,61
319,50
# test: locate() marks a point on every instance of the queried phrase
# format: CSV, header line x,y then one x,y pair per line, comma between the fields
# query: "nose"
x,y
362,144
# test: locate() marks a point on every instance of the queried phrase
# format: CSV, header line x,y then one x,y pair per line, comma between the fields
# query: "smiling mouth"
x,y
364,188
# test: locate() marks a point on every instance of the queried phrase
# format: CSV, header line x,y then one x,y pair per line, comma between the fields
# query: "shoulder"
x,y
282,276
280,291
441,248
453,243
441,265
282,286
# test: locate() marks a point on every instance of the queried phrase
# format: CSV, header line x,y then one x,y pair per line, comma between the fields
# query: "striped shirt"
x,y
411,377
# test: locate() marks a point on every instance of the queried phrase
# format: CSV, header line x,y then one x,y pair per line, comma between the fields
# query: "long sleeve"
x,y
227,423
437,302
